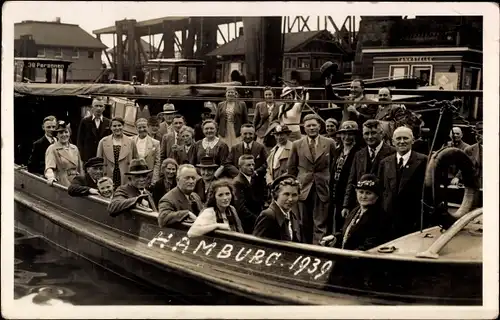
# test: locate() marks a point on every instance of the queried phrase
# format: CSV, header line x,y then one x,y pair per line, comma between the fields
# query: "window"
x,y
58,53
423,73
90,54
304,63
41,53
76,53
287,63
294,63
398,71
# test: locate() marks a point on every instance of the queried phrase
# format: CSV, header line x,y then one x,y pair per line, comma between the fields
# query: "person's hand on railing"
x,y
328,241
190,218
51,181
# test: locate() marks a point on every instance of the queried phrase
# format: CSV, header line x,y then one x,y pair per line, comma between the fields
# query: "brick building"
x,y
60,41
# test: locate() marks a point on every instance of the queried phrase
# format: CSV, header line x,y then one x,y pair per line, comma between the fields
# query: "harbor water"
x,y
46,274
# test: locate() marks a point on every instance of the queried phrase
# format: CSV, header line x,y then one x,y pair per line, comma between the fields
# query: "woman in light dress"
x,y
62,159
229,116
220,213
290,113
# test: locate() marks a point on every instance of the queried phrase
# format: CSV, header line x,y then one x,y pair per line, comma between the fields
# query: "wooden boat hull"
x,y
227,264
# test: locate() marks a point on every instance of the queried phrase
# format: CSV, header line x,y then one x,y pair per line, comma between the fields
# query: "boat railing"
x,y
433,251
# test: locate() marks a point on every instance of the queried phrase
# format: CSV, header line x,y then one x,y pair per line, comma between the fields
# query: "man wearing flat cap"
x,y
311,161
92,129
84,185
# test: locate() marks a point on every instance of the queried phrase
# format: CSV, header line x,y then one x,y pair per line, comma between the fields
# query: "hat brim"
x,y
132,173
214,166
167,112
94,165
283,131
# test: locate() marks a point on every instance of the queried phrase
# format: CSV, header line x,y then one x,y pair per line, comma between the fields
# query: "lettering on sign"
x,y
42,65
260,259
415,59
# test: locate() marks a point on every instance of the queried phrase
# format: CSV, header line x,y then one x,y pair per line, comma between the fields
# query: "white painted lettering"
x,y
225,252
276,257
159,238
203,246
183,243
238,258
258,257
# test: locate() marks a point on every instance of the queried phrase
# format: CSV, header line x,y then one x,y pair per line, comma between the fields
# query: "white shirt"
x,y
97,120
377,149
292,119
141,146
277,155
247,145
248,177
270,107
309,140
51,139
405,157
287,216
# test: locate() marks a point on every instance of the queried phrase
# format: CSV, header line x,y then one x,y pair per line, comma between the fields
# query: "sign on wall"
x,y
446,80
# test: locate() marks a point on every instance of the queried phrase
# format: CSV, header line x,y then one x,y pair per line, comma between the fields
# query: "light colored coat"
x,y
65,163
272,172
152,155
128,152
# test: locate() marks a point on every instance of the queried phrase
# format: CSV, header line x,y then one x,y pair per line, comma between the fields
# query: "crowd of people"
x,y
351,183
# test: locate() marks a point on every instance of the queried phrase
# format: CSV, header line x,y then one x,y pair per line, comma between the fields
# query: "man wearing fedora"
x,y
133,195
277,161
166,115
311,161
181,204
207,168
92,129
248,145
84,185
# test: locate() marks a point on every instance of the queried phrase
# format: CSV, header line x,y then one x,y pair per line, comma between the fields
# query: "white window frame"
x,y
58,50
77,53
394,66
41,55
423,66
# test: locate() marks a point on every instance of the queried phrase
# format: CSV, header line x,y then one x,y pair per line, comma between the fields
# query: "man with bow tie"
x,y
92,129
248,146
311,161
36,162
249,192
402,177
366,160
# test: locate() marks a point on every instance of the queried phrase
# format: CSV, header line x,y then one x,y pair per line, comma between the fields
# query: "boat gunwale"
x,y
283,245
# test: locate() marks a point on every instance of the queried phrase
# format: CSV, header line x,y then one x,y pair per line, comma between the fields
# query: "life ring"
x,y
437,168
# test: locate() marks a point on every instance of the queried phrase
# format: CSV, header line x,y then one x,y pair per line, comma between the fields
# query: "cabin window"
x,y
90,54
58,53
294,63
423,73
398,71
187,75
41,53
304,63
75,54
287,63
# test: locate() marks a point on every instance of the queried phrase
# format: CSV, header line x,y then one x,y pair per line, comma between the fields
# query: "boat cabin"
x,y
173,71
40,70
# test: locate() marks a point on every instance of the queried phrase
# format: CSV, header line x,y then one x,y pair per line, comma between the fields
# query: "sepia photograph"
x,y
212,159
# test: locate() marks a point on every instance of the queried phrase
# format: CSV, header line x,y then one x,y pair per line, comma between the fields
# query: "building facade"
x,y
56,40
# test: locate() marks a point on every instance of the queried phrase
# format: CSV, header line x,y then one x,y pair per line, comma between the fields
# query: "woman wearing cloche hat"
x,y
365,226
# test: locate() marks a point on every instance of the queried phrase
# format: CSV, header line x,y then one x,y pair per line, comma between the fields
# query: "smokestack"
x,y
58,19
240,33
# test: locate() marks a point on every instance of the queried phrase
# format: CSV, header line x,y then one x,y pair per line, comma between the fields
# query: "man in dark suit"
x,y
134,194
247,146
280,221
91,130
84,185
171,141
366,160
249,192
36,162
311,161
264,112
402,178
181,204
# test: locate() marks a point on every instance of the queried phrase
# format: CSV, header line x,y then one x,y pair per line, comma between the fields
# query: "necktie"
x,y
97,122
312,147
400,164
193,206
372,154
248,150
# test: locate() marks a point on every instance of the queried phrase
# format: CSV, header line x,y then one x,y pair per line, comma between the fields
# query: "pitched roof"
x,y
145,46
292,40
57,34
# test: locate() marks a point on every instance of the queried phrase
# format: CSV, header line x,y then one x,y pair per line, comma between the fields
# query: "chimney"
x,y
240,33
58,19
